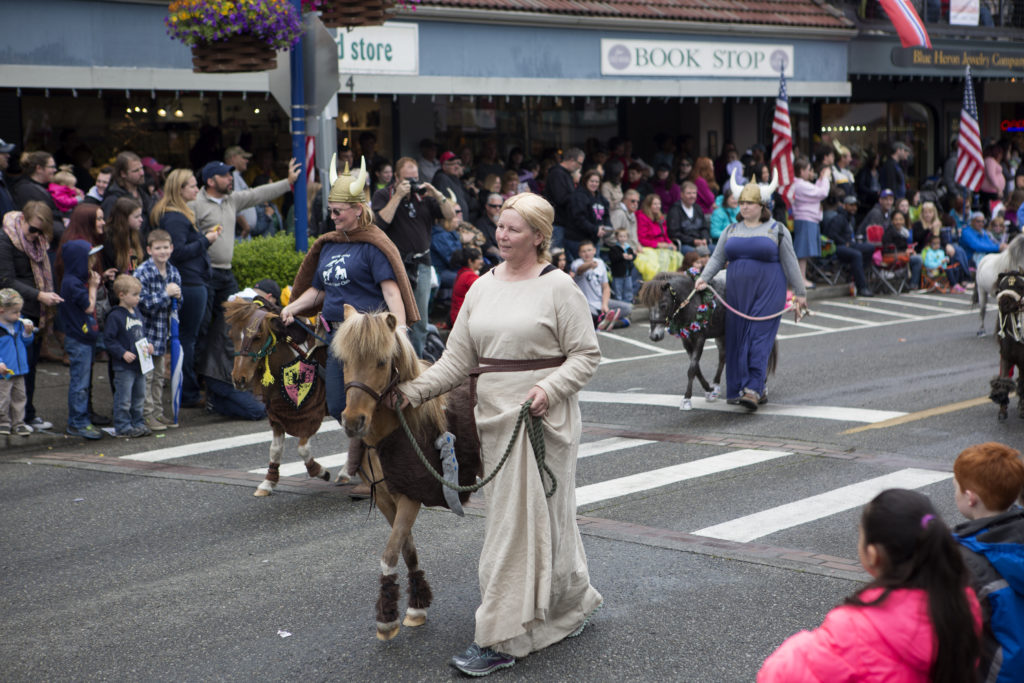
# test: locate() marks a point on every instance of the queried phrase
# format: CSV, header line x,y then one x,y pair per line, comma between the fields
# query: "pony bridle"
x,y
378,398
250,333
1010,324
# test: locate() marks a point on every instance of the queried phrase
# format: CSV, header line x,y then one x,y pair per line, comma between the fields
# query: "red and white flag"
x,y
782,143
970,167
310,157
907,23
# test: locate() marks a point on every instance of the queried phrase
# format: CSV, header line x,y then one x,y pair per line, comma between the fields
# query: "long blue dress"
x,y
761,261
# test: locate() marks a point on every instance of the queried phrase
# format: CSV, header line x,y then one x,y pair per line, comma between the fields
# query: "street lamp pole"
x,y
299,140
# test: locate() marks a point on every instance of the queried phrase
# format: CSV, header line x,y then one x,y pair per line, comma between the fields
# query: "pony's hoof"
x,y
342,477
261,493
414,618
713,395
325,475
386,633
264,489
687,404
980,332
1002,417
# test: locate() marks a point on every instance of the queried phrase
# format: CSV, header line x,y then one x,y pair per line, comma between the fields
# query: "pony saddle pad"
x,y
298,380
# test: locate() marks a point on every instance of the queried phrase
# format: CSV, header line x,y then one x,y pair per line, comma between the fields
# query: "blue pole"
x,y
299,140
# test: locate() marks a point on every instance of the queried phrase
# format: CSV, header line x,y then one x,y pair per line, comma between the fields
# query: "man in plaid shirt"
x,y
161,283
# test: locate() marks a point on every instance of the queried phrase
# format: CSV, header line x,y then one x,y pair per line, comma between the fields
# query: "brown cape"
x,y
371,235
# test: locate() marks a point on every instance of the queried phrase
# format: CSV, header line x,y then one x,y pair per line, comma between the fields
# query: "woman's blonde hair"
x,y
173,200
539,215
648,208
936,222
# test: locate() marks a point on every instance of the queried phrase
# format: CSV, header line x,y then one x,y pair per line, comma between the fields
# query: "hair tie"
x,y
927,518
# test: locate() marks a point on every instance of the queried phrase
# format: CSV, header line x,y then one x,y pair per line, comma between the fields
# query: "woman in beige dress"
x,y
525,326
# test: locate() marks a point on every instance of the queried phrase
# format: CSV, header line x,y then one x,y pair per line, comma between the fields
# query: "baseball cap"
x,y
448,156
216,168
269,286
153,165
850,199
6,147
236,151
886,193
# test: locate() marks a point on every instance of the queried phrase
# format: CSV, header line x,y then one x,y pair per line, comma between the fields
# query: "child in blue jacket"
x,y
131,356
15,341
81,329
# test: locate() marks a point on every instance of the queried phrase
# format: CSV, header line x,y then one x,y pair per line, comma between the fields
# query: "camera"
x,y
417,187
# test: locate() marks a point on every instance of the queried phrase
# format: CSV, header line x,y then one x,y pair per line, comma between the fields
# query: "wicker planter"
x,y
236,54
348,13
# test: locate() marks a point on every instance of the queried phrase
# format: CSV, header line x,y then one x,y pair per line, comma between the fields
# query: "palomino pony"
x,y
989,270
669,304
285,361
1010,334
377,356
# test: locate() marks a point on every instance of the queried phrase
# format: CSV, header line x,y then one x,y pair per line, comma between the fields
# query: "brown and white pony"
x,y
1010,335
262,347
377,356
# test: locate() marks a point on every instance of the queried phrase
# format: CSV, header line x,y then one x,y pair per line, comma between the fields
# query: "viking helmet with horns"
x,y
754,192
347,188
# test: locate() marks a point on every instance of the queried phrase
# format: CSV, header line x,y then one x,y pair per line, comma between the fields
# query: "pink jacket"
x,y
807,199
892,642
648,232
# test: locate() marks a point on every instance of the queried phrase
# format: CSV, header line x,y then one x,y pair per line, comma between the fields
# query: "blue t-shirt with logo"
x,y
351,273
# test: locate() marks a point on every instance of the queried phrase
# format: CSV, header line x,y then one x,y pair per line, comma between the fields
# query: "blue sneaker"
x,y
477,661
87,432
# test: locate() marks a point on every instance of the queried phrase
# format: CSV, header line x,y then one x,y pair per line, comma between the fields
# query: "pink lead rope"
x,y
799,311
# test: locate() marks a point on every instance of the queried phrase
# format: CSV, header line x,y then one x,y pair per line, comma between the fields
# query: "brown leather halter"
x,y
369,390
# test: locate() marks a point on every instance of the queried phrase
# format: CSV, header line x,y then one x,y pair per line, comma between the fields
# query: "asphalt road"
x,y
713,534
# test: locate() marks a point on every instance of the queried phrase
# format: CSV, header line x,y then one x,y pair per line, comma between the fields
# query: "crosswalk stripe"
x,y
623,486
872,309
673,400
856,321
900,301
172,452
760,524
959,300
806,325
615,443
634,342
291,469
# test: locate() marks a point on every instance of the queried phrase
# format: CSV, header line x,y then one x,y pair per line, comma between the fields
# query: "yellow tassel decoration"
x,y
268,378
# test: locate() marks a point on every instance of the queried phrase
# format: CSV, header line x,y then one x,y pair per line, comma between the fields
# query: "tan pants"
x,y
12,402
155,380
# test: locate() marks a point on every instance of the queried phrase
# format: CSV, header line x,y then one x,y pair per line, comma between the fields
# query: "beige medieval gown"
x,y
534,582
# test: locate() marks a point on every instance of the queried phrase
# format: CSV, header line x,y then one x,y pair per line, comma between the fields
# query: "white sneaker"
x,y
39,423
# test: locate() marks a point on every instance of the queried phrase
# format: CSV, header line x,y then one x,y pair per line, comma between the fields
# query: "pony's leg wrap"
x,y
711,396
266,486
313,468
387,603
420,597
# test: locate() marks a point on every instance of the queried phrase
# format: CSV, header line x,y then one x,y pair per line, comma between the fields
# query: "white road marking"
x,y
803,324
941,298
624,486
291,469
609,361
634,342
901,301
172,452
760,524
871,309
615,443
866,415
856,322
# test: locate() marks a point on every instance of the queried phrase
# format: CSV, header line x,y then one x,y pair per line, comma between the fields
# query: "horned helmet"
x,y
752,191
347,188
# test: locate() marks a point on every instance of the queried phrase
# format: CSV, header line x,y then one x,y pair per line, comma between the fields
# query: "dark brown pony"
x,y
1010,335
263,347
377,356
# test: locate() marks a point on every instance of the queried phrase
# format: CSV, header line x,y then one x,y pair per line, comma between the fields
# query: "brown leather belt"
x,y
506,365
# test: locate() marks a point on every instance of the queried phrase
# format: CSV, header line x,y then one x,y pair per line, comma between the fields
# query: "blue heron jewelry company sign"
x,y
679,58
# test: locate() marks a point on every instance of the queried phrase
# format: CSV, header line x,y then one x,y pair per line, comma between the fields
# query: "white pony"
x,y
989,268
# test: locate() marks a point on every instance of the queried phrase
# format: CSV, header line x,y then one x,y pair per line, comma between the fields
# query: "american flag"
x,y
970,168
907,23
782,143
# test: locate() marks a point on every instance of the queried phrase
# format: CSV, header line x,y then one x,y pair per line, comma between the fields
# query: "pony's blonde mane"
x,y
366,339
237,314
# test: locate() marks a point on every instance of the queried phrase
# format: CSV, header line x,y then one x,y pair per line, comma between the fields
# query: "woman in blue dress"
x,y
761,261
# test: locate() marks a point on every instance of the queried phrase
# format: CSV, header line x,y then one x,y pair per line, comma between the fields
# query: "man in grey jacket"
x,y
217,205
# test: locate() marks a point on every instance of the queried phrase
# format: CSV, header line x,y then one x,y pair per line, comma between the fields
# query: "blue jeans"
x,y
418,330
572,250
129,399
557,235
228,401
190,319
624,287
80,355
334,384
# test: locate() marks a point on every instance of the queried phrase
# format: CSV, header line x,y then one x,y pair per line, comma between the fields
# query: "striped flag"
x,y
907,23
782,143
970,168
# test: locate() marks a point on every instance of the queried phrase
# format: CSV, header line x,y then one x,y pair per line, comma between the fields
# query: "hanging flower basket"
x,y
234,36
236,54
352,13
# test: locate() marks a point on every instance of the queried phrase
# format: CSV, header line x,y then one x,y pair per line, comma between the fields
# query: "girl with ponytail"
x,y
919,588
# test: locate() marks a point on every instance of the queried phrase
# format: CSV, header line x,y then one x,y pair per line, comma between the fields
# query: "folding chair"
x,y
883,264
826,267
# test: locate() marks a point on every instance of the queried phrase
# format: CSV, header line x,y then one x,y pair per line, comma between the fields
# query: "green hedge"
x,y
273,257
